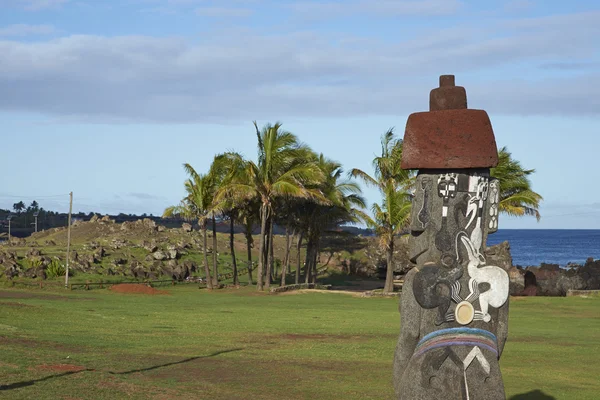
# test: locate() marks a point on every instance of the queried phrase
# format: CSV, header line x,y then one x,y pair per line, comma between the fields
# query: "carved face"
x,y
447,186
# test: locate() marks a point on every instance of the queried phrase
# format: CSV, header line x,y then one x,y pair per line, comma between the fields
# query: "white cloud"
x,y
379,7
238,75
26,30
223,12
33,5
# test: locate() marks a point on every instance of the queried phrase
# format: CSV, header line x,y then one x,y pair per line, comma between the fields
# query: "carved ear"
x,y
421,205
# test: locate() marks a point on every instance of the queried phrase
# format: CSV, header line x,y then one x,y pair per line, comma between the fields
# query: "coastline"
x,y
564,247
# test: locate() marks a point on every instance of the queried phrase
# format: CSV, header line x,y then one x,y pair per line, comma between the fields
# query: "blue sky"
x,y
108,98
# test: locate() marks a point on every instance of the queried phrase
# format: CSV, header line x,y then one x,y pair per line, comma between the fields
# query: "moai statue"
x,y
454,305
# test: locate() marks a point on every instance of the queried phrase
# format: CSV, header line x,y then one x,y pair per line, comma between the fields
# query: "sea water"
x,y
556,246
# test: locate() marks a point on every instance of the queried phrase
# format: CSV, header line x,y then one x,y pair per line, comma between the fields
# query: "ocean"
x,y
556,246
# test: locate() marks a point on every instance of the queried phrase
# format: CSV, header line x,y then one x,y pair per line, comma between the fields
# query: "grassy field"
x,y
239,344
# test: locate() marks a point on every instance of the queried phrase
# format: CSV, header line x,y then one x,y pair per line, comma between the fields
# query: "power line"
x,y
34,197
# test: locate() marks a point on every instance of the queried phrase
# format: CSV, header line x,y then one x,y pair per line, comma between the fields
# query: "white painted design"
x,y
474,290
494,199
474,354
455,292
447,184
451,316
496,277
471,210
479,185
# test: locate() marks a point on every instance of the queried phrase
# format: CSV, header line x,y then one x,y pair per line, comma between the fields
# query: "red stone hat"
x,y
449,136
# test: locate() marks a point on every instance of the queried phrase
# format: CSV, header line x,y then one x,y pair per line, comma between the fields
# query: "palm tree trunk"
x,y
261,250
265,253
309,258
236,282
206,269
315,271
298,258
389,275
249,249
270,263
215,272
286,261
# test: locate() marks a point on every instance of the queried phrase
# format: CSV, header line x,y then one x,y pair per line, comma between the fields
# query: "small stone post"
x,y
454,305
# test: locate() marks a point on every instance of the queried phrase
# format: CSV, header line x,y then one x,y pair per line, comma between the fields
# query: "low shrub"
x,y
55,269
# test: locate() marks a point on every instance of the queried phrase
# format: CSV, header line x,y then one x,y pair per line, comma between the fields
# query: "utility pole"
x,y
35,214
9,218
68,240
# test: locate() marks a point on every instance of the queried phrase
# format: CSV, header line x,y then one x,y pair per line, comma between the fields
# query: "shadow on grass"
x,y
19,385
533,395
174,363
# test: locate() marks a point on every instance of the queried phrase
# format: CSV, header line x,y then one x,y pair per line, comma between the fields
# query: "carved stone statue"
x,y
454,305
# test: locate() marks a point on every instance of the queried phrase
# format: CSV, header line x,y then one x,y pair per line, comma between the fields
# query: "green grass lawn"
x,y
238,344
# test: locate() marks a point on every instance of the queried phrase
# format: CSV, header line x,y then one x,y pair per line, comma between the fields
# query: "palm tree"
x,y
516,196
19,207
282,170
249,217
226,168
199,203
388,221
340,204
394,183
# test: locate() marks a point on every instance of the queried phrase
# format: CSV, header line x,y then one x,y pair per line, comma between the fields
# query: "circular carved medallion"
x,y
464,313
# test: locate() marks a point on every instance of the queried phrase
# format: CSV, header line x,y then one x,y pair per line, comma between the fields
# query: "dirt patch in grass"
x,y
134,288
240,374
36,344
60,367
15,304
316,336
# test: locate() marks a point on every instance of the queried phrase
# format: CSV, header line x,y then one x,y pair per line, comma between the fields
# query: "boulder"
x,y
121,261
172,254
99,253
12,271
140,272
190,265
148,223
163,269
499,255
517,281
150,246
183,245
83,265
119,243
159,255
186,227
